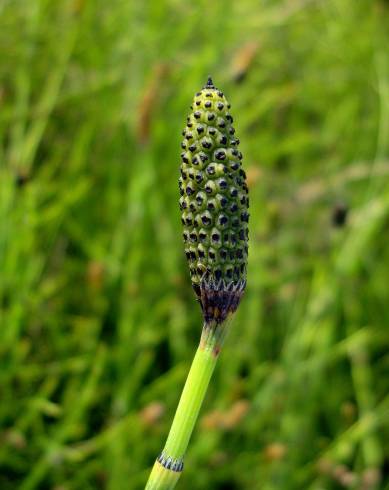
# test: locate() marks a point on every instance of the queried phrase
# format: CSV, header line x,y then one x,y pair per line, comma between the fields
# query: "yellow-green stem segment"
x,y
166,472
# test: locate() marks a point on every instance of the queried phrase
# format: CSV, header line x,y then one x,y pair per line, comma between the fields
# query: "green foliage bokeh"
x,y
98,322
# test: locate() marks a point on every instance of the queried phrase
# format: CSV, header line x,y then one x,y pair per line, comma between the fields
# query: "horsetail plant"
x,y
214,204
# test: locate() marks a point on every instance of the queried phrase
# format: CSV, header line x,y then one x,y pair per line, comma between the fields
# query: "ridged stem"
x,y
168,467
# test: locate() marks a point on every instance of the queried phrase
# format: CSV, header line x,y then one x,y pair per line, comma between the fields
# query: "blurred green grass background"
x,y
98,320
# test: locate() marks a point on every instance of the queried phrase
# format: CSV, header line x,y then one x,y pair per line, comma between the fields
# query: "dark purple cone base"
x,y
219,299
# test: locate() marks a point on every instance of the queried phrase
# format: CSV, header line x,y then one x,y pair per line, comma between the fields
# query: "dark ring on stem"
x,y
169,463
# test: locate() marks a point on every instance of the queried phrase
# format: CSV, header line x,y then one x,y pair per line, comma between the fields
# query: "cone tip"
x,y
209,83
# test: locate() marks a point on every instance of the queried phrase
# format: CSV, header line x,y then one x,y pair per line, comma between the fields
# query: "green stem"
x,y
166,472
